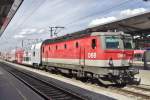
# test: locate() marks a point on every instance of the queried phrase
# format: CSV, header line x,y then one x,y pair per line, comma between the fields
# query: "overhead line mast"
x,y
55,30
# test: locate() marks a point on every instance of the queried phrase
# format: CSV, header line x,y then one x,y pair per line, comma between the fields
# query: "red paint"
x,y
84,50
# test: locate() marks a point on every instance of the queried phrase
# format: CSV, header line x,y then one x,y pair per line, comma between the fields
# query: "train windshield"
x,y
112,42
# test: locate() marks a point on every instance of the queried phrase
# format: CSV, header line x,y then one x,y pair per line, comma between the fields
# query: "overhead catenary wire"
x,y
29,13
28,16
76,20
36,7
105,11
101,12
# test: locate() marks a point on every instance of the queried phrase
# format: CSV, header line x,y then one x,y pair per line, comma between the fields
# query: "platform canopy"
x,y
138,24
8,9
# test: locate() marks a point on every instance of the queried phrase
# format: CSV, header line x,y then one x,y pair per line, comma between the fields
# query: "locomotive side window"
x,y
93,43
49,48
65,46
43,49
56,47
127,43
77,44
112,42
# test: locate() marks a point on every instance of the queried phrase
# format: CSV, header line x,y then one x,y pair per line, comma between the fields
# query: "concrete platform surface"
x,y
145,77
94,92
12,89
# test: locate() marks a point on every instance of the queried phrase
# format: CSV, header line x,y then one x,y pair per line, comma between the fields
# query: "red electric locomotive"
x,y
97,55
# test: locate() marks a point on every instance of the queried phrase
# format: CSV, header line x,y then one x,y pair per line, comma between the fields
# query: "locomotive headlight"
x,y
110,62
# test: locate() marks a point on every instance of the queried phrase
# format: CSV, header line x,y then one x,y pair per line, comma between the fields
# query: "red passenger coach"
x,y
101,55
19,56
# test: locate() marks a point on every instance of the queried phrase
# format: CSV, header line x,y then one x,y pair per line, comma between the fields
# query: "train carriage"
x,y
27,57
19,55
36,54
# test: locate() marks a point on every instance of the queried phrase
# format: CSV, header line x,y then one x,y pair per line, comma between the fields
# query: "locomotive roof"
x,y
79,35
68,37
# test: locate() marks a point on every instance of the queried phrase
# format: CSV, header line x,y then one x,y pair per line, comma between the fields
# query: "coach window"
x,y
77,44
93,43
65,46
24,59
33,53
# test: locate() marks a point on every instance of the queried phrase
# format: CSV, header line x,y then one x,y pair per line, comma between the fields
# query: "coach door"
x,y
82,56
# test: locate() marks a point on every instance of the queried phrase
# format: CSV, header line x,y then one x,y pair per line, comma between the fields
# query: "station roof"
x,y
8,9
138,24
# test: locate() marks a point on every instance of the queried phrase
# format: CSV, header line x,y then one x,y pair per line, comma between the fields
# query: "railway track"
x,y
45,89
141,87
140,93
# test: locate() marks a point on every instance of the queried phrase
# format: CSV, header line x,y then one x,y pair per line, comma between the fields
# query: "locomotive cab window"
x,y
93,43
112,42
128,43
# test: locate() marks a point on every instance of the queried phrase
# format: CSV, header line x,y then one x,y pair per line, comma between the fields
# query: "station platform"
x,y
12,89
145,77
88,90
144,72
140,65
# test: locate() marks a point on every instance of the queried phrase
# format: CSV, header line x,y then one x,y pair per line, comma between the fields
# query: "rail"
x,y
45,89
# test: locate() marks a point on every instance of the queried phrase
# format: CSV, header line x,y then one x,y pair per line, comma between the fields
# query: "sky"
x,y
34,17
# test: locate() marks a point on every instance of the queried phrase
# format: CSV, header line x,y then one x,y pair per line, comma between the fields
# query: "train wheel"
x,y
34,65
41,67
46,68
81,75
70,73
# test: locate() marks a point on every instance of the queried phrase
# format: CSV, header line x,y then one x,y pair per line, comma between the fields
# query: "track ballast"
x,y
47,90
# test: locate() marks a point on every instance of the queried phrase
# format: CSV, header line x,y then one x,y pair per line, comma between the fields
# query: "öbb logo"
x,y
92,55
